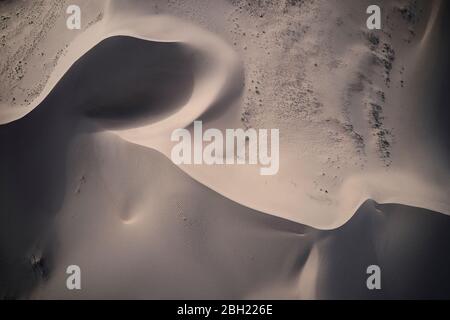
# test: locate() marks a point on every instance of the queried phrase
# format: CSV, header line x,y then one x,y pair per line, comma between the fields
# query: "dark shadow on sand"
x,y
121,82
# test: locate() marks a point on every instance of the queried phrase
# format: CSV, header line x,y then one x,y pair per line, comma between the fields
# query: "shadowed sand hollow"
x,y
125,81
71,191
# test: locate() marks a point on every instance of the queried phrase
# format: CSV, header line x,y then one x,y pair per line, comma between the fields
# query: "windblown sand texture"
x,y
86,176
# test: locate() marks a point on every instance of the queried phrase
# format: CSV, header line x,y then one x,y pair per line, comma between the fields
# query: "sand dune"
x,y
137,234
87,177
308,183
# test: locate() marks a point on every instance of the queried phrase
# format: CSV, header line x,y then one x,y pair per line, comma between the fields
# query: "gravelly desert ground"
x,y
33,37
86,176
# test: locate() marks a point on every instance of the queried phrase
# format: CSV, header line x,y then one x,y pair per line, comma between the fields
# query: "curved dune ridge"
x,y
142,77
86,179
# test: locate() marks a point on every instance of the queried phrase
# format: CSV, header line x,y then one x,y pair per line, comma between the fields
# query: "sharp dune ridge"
x,y
86,174
207,75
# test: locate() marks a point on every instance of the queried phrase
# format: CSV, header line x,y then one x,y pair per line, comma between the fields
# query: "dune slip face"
x,y
224,151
